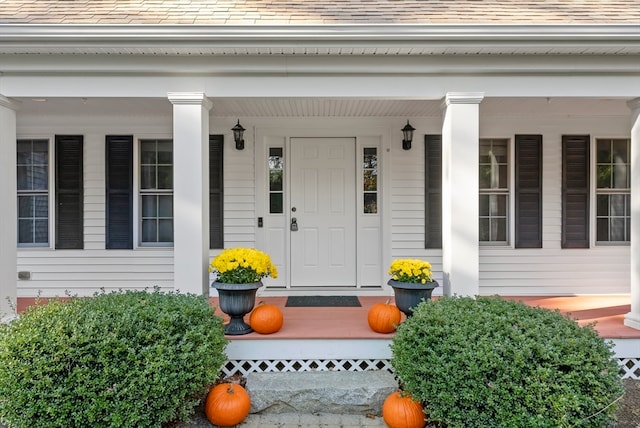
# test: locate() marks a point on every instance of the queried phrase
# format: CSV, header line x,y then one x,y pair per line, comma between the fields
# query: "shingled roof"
x,y
319,12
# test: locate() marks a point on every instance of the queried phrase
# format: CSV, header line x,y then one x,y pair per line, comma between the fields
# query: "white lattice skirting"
x,y
629,367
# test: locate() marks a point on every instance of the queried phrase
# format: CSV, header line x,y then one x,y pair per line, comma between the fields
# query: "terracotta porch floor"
x,y
351,322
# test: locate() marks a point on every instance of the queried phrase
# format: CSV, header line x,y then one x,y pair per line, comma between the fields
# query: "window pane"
x,y
165,152
370,203
484,205
621,176
275,203
620,151
25,206
485,176
604,176
602,229
165,177
41,232
165,206
148,152
602,205
497,205
484,229
603,154
617,205
149,230
499,229
148,177
149,206
41,206
617,231
25,231
165,231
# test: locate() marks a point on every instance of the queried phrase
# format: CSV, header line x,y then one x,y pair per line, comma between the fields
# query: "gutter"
x,y
313,35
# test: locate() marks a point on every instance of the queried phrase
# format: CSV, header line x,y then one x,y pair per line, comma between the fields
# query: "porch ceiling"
x,y
324,107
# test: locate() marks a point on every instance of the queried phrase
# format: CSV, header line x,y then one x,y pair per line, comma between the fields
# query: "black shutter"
x,y
575,191
528,191
69,196
216,190
433,190
119,191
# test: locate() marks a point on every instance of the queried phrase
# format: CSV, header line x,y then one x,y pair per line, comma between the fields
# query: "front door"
x,y
323,212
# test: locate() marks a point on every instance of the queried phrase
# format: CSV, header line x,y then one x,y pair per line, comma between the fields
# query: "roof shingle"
x,y
299,12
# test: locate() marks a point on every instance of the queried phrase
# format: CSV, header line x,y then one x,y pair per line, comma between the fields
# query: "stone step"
x,y
338,392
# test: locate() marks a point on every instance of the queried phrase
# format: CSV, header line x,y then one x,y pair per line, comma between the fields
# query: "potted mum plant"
x,y
412,281
239,272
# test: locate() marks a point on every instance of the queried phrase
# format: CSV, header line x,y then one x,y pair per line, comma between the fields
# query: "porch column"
x,y
8,208
460,149
632,319
191,191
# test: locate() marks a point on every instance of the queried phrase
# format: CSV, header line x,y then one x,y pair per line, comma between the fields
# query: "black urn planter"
x,y
409,294
237,300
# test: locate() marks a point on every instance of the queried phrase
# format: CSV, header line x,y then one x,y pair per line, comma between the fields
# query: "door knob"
x,y
294,224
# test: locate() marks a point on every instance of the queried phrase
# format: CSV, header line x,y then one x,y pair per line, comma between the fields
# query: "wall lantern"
x,y
407,136
238,133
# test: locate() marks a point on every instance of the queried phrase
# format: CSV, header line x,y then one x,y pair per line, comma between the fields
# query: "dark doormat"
x,y
322,301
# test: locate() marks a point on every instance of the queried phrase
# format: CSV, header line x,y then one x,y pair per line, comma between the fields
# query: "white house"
x,y
118,166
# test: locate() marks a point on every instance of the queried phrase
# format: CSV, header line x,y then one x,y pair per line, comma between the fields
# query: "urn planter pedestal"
x,y
237,300
409,294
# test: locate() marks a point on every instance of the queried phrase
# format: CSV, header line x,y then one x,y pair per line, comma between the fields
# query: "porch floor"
x,y
607,311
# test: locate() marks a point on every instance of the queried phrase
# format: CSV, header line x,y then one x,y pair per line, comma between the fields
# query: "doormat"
x,y
322,301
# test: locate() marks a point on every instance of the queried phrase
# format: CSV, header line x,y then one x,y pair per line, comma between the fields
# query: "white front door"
x,y
323,212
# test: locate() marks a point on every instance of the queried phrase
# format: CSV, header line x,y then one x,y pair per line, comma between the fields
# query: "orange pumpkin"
x,y
266,318
227,404
401,411
383,317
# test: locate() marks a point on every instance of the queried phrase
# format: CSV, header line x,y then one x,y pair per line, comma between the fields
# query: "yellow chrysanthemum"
x,y
242,265
411,270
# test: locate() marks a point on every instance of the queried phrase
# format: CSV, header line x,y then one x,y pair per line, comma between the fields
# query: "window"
x,y
276,180
370,180
613,190
494,190
33,192
156,192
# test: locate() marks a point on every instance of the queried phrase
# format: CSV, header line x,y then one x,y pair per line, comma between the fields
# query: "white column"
x,y
460,148
191,191
632,319
8,208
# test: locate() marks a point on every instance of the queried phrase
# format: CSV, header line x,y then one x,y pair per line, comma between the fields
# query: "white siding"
x,y
503,270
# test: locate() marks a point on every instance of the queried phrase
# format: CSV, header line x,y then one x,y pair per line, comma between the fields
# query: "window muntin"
x,y
494,190
613,190
33,192
156,192
276,180
370,180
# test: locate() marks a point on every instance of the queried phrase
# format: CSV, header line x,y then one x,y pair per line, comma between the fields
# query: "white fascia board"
x,y
316,35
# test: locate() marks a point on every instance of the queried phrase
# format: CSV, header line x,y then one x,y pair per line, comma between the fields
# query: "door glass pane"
x,y
275,162
370,203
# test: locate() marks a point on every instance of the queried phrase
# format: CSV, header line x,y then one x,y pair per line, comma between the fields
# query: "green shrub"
x,y
121,359
489,362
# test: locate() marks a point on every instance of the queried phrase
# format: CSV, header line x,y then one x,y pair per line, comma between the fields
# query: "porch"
x,y
339,338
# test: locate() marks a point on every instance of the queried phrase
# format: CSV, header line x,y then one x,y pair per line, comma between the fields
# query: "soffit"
x,y
322,107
